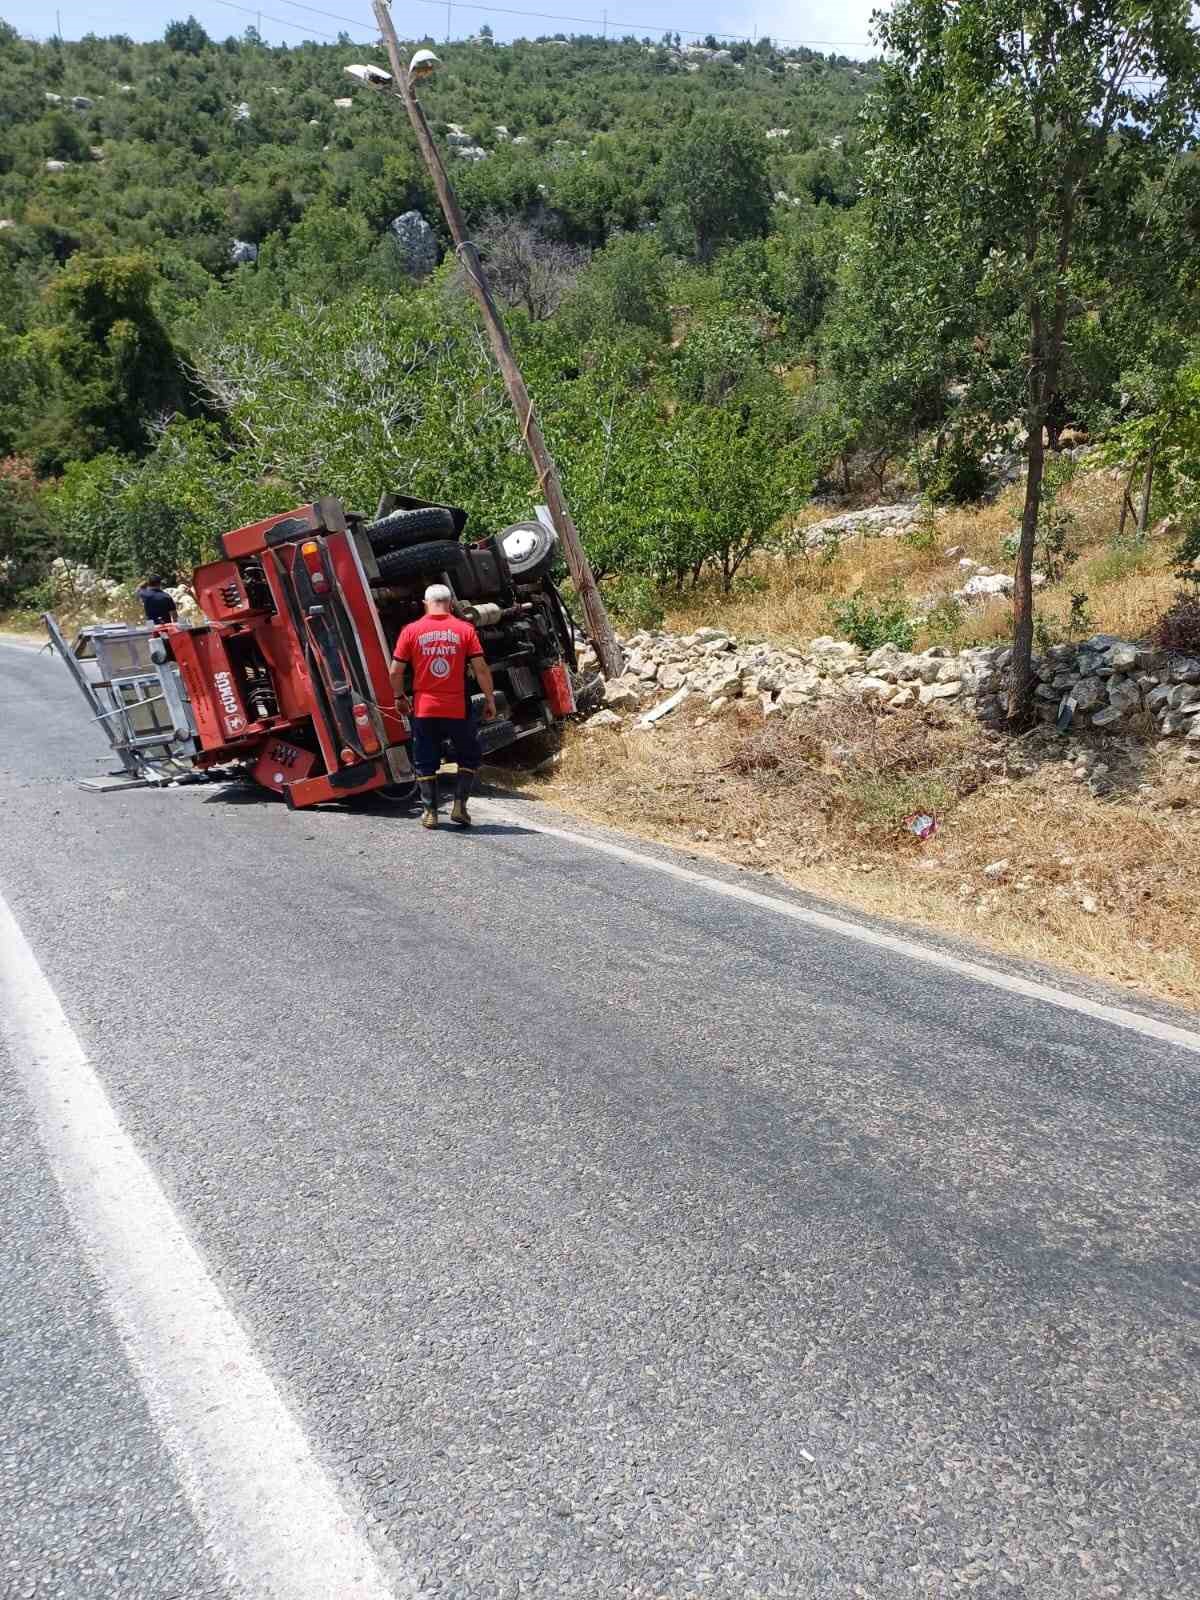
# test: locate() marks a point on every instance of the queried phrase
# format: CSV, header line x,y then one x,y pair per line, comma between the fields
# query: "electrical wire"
x,y
598,22
263,16
639,28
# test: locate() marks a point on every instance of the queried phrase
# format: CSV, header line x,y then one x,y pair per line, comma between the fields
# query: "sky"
x,y
840,26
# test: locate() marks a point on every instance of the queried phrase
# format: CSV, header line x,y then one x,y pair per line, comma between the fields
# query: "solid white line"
x,y
1118,1016
272,1516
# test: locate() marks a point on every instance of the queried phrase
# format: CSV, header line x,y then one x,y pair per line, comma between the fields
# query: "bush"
x,y
869,622
943,621
636,604
1185,557
1122,560
952,472
1178,629
922,538
26,546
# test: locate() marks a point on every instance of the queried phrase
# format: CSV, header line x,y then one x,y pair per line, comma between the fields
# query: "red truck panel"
x,y
211,685
220,593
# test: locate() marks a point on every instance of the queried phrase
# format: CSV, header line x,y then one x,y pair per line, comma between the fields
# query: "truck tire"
x,y
421,560
399,529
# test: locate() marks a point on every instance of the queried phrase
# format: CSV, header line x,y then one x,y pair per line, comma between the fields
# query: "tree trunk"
x,y
1021,669
1045,357
1144,507
1126,504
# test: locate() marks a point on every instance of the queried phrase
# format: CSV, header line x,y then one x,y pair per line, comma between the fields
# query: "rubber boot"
x,y
429,801
462,793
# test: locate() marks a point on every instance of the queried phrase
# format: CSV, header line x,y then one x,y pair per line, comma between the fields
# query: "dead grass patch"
x,y
787,600
1104,886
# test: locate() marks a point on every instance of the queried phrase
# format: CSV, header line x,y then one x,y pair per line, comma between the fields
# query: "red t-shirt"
x,y
438,649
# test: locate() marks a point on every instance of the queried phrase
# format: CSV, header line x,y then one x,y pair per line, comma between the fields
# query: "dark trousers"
x,y
431,734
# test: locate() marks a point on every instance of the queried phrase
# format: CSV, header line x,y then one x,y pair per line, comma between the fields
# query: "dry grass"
x,y
787,600
71,617
1105,886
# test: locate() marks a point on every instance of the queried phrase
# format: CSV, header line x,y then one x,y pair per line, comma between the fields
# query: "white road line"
x,y
1118,1016
272,1516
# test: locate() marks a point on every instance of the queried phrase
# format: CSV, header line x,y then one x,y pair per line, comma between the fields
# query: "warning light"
x,y
310,554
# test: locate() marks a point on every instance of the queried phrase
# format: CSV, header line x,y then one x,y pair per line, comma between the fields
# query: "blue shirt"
x,y
157,604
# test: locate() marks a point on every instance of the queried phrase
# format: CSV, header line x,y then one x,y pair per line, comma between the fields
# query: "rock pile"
x,y
77,585
875,522
1104,684
713,664
78,588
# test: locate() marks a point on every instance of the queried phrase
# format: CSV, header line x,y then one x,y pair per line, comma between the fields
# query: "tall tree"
x,y
1013,140
115,369
715,184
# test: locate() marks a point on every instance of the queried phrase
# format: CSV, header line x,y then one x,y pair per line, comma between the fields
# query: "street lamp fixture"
x,y
423,64
367,74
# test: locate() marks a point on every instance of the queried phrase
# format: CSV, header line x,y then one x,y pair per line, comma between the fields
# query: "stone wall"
x,y
1103,684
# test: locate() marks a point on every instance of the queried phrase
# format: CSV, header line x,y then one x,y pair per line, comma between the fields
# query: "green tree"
x,y
1008,144
166,512
26,544
188,37
623,287
114,366
736,472
1163,443
715,186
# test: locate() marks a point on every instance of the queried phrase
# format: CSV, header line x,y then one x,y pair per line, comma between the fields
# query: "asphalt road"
x,y
604,1236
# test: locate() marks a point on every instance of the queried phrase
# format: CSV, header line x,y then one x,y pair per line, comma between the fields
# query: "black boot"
x,y
462,793
429,801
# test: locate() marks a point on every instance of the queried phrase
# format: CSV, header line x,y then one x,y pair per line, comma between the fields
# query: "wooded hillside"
x,y
732,279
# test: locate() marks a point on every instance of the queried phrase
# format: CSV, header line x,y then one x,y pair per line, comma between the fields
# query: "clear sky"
x,y
841,25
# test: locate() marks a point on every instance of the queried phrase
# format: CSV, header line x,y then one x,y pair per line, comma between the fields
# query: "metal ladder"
x,y
139,702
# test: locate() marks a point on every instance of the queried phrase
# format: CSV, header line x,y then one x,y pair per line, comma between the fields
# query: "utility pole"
x,y
599,627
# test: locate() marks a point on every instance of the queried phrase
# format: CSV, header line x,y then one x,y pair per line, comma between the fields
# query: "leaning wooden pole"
x,y
599,627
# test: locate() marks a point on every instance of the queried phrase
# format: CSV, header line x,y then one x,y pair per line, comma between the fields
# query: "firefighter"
x,y
156,602
437,651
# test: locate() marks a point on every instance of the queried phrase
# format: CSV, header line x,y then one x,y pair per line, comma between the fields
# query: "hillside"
x,y
182,146
734,280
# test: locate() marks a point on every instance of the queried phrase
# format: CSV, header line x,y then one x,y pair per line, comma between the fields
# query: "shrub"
x,y
1185,557
635,602
922,537
870,621
944,620
1178,629
953,473
1122,560
26,544
1080,622
1054,548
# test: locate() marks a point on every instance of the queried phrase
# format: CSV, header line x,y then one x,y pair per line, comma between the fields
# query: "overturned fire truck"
x,y
286,679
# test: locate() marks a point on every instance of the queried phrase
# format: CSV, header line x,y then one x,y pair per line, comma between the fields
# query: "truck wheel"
x,y
400,529
421,560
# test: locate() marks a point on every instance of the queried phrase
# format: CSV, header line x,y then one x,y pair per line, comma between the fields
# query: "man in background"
x,y
156,602
437,650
